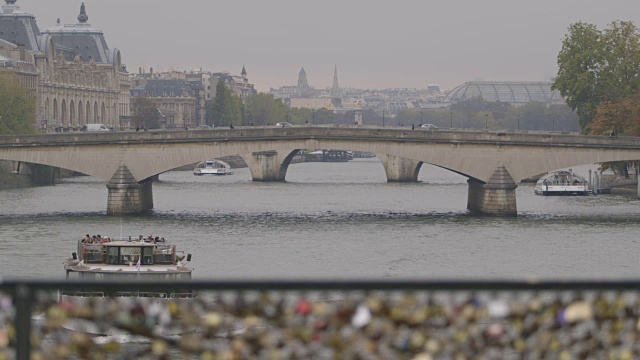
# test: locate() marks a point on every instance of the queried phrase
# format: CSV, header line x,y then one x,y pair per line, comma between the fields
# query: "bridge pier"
x,y
269,166
496,197
399,169
126,195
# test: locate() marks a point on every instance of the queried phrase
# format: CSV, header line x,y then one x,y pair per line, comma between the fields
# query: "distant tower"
x,y
303,86
244,72
358,116
335,91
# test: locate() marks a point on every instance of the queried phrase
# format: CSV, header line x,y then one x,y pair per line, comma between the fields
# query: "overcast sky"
x,y
376,44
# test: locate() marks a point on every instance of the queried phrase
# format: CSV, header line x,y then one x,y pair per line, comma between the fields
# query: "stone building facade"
x,y
181,96
80,80
179,101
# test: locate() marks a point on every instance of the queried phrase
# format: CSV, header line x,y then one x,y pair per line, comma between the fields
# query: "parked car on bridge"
x,y
428,126
284,124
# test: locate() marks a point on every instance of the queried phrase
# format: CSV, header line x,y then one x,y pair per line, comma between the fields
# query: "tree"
x,y
325,116
145,113
17,106
620,117
263,109
226,109
597,66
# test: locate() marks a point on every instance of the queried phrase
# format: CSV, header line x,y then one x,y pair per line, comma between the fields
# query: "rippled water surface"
x,y
331,220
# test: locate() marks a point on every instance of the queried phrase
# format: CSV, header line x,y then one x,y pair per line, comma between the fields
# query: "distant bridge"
x,y
494,161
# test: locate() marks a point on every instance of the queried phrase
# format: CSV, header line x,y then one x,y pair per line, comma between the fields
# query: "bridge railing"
x,y
323,319
326,132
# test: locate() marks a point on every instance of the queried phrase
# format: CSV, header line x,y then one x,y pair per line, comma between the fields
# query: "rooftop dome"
x,y
508,92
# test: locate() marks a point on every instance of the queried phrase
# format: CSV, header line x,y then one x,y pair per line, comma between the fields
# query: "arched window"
x,y
72,113
87,114
80,114
103,117
55,111
63,112
95,112
47,115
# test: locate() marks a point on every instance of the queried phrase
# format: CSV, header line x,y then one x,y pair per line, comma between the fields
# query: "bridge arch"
x,y
493,162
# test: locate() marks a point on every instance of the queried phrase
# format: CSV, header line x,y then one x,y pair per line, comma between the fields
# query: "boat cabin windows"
x,y
115,276
126,255
129,254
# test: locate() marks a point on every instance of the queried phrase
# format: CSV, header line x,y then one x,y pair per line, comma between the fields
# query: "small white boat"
x,y
213,167
562,183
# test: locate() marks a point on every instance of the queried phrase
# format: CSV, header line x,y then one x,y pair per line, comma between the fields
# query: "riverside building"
x,y
76,78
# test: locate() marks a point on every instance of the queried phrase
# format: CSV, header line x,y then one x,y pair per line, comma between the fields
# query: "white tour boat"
x,y
105,259
212,167
562,183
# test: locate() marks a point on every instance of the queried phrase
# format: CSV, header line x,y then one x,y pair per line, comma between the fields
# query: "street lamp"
x,y
451,119
518,121
382,118
420,118
486,120
313,116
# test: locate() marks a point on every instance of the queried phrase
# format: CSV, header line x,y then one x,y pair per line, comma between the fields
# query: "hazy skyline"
x,y
406,43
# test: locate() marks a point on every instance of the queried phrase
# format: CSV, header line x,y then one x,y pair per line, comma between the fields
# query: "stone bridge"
x,y
494,161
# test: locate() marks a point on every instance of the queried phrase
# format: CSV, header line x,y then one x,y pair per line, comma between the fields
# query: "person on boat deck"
x,y
140,238
86,239
149,238
157,239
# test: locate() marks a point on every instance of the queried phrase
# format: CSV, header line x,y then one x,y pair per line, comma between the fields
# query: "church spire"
x,y
335,90
244,72
83,18
303,86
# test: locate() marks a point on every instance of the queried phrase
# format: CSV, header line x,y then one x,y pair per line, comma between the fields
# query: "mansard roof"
x,y
179,87
80,39
18,27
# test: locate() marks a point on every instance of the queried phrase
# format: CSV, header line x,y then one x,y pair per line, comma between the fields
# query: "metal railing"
x,y
393,319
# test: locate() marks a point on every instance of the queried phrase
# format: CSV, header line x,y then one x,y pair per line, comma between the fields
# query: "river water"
x,y
331,221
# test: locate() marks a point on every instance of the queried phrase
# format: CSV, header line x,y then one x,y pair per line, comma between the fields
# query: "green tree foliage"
x,y
263,109
226,108
325,116
597,66
17,106
145,114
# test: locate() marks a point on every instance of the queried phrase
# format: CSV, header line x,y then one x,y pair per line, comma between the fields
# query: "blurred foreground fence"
x,y
320,320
